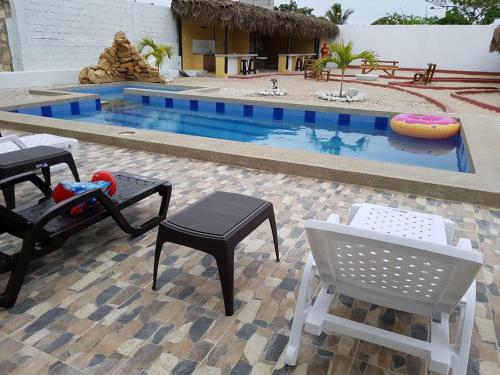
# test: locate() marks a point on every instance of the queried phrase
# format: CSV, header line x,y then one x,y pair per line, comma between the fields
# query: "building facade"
x,y
5,55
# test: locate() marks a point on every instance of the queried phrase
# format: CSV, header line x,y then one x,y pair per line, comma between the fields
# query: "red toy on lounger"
x,y
103,180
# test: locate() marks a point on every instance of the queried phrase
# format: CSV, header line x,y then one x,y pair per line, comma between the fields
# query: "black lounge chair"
x,y
30,159
44,226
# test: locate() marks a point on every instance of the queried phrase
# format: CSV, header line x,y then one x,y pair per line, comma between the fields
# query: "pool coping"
x,y
481,187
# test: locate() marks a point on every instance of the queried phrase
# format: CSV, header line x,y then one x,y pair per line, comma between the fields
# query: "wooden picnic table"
x,y
388,66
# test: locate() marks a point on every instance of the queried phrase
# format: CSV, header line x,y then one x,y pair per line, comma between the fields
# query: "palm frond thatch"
x,y
495,41
236,15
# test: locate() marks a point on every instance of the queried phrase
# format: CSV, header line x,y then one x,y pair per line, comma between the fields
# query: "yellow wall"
x,y
238,42
193,30
282,64
219,67
302,45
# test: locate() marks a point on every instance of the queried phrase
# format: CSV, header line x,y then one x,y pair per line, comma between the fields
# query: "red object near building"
x,y
325,51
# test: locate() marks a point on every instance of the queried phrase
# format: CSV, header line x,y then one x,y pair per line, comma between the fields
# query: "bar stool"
x,y
260,62
252,66
299,64
244,66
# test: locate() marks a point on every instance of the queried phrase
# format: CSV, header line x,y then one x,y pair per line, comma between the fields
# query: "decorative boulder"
x,y
120,62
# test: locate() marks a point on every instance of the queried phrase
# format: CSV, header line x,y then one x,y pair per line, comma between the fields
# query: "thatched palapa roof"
x,y
495,41
254,18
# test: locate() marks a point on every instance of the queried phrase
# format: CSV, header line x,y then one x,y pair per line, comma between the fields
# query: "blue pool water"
x,y
354,135
114,92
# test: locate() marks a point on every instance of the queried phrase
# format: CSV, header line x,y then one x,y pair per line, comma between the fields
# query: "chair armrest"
x,y
24,177
465,244
449,227
66,205
333,218
354,209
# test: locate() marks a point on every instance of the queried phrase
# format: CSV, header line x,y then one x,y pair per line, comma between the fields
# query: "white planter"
x,y
366,77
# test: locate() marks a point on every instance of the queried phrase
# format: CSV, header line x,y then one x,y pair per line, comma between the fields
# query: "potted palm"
x,y
342,55
160,52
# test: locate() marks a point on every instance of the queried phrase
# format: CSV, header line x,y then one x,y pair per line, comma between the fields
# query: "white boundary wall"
x,y
71,34
10,80
452,47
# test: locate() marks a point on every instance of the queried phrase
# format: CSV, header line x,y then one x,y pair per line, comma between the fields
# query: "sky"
x,y
365,11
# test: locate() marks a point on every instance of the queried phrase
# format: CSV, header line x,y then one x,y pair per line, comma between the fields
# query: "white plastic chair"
x,y
397,259
14,142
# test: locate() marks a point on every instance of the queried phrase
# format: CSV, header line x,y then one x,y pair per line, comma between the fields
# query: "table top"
x,y
401,223
217,213
30,155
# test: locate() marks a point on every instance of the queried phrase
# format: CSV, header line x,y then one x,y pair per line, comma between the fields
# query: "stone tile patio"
x,y
89,308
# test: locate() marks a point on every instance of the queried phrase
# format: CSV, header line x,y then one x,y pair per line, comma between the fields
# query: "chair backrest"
x,y
405,274
430,73
309,64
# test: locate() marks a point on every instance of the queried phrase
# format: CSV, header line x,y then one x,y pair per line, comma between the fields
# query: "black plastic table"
x,y
28,159
215,225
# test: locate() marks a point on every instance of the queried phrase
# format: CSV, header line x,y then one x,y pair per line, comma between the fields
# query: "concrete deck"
x,y
89,309
481,133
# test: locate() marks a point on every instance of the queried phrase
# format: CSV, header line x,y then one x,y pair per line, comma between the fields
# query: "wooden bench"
x,y
388,66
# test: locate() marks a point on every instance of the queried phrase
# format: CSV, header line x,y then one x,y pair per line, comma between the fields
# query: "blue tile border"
x,y
381,123
169,103
247,110
310,117
46,110
193,105
344,119
146,99
98,105
75,108
278,113
220,107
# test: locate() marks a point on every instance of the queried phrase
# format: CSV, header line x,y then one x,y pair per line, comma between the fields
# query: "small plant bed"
x,y
350,95
463,96
274,91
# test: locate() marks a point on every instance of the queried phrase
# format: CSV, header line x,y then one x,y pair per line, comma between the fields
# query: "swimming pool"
x,y
353,135
116,91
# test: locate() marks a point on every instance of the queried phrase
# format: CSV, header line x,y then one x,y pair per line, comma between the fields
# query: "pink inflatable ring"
x,y
433,127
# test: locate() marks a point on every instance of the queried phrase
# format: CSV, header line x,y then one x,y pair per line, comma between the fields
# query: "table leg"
x,y
272,221
159,246
225,264
9,196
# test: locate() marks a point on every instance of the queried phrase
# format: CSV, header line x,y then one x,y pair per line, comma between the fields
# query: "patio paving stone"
x,y
89,309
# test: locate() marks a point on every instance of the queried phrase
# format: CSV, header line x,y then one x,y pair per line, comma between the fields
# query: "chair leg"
x,y
467,312
46,174
9,195
9,296
272,221
293,348
72,167
225,265
159,246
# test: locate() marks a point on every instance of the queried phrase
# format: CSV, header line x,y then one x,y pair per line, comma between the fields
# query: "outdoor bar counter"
x,y
287,61
229,64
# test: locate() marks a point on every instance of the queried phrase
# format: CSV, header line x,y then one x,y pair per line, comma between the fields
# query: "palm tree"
x,y
157,50
343,56
335,14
